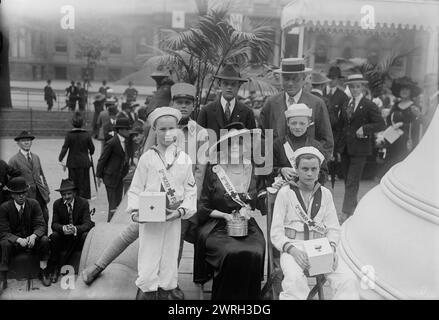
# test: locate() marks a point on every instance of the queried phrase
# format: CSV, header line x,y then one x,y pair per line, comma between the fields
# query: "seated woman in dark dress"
x,y
235,263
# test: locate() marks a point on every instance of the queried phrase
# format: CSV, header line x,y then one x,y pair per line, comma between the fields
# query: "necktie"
x,y
70,211
350,109
29,158
227,112
291,100
20,213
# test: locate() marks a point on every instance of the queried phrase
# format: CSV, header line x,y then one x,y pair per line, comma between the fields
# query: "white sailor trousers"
x,y
295,284
159,243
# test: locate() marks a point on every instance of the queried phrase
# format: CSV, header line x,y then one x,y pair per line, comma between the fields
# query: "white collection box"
x,y
152,206
320,256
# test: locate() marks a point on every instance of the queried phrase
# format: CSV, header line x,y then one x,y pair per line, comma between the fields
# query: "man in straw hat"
x,y
163,167
272,116
70,225
113,164
360,120
30,166
227,109
22,228
293,222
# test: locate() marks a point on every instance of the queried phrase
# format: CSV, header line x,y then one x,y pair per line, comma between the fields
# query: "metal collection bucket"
x,y
237,227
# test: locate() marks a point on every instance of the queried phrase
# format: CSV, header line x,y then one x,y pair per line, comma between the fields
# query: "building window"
x,y
60,45
114,74
61,73
116,48
321,51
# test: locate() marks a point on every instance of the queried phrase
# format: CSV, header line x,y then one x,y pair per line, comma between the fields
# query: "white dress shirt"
x,y
357,101
122,141
18,206
296,97
224,102
26,153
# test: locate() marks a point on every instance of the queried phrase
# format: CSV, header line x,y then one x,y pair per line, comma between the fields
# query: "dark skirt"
x,y
237,263
81,179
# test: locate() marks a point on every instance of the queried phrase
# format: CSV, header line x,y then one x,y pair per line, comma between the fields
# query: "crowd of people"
x,y
322,126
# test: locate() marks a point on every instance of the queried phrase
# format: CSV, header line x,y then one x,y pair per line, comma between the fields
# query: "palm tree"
x,y
197,54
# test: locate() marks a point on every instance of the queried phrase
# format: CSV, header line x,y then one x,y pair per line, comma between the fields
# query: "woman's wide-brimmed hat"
x,y
405,82
293,65
17,185
230,72
99,97
66,185
235,129
24,135
356,78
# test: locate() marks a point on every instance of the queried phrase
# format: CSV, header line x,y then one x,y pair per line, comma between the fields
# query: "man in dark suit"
x,y
70,225
293,72
72,94
226,109
49,95
80,146
360,120
22,228
6,173
113,164
30,166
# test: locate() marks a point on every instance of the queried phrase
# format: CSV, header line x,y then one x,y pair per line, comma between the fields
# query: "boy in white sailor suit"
x,y
166,168
292,224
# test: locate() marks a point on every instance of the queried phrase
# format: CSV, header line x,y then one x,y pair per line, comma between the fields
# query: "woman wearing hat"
x,y
403,115
229,190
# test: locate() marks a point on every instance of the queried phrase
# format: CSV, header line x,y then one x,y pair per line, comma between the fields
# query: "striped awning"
x,y
367,14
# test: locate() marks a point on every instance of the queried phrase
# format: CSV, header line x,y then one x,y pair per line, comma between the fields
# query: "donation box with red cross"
x,y
320,256
152,206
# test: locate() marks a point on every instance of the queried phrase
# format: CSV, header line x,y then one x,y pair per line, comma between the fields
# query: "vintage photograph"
x,y
217,150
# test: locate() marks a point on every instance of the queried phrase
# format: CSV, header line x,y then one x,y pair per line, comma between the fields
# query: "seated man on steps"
x,y
305,210
22,228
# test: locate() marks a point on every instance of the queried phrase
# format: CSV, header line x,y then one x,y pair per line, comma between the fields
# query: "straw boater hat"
x,y
230,72
298,110
24,135
293,65
183,90
356,78
309,150
319,78
66,185
163,111
17,185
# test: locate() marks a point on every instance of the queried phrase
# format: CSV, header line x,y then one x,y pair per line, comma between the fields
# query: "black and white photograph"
x,y
232,151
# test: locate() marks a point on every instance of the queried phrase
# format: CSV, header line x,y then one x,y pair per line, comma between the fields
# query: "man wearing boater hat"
x,y
113,164
22,228
293,72
70,225
30,166
360,120
227,109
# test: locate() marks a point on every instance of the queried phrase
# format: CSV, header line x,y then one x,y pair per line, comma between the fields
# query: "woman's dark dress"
x,y
236,264
398,150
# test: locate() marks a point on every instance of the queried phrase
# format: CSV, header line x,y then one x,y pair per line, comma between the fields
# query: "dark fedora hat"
x,y
24,135
230,72
17,185
122,123
66,185
318,78
405,82
335,73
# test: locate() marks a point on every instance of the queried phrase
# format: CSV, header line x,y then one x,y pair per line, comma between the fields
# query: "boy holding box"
x,y
164,168
302,211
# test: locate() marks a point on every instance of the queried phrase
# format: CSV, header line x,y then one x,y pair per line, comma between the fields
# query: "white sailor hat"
x,y
309,150
163,111
298,110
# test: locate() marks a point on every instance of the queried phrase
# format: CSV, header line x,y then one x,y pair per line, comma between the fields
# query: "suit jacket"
x,y
6,172
272,117
49,94
105,126
113,163
79,143
366,115
33,174
11,228
81,216
212,116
